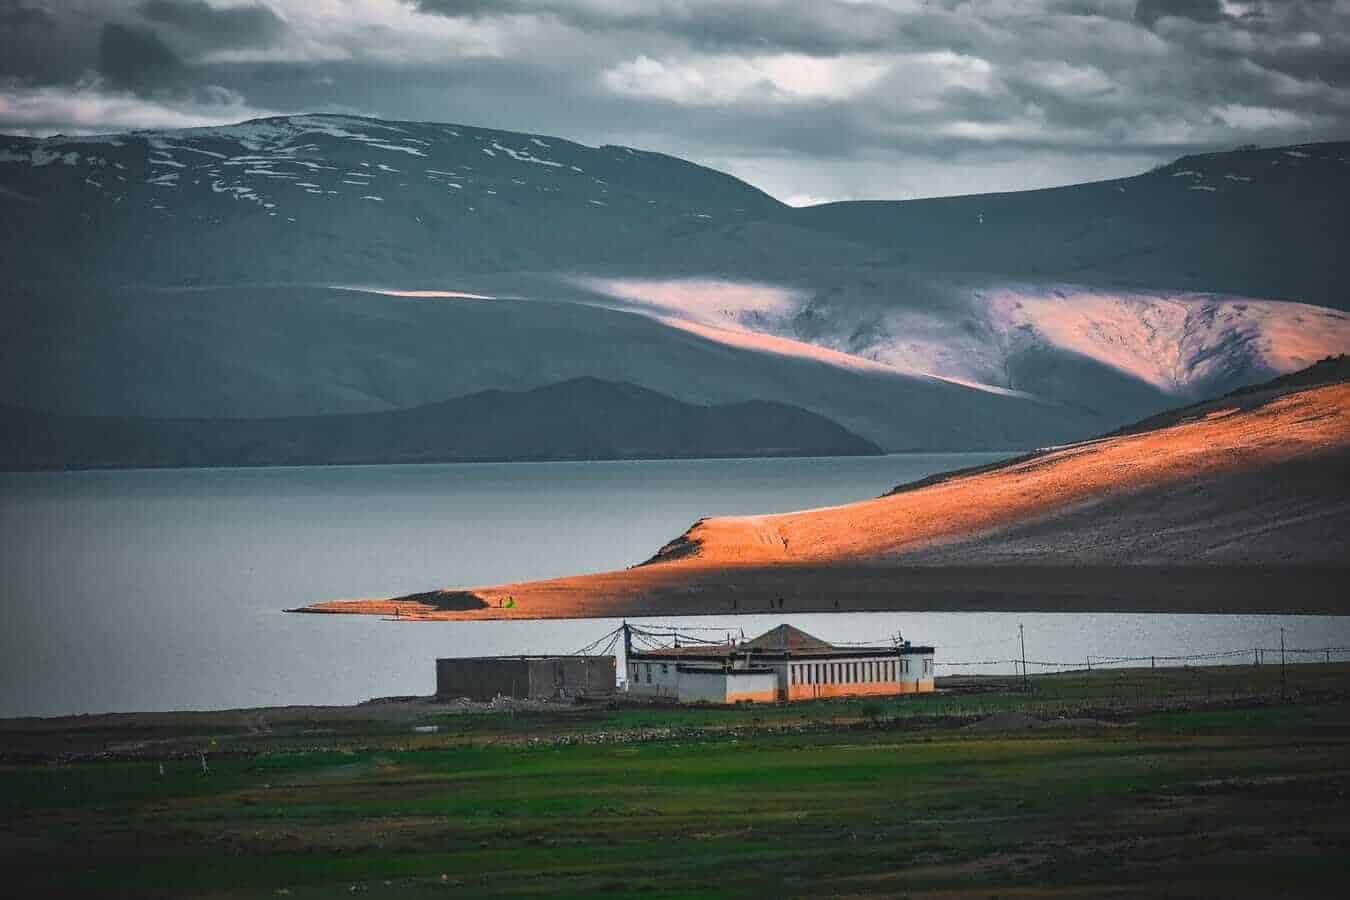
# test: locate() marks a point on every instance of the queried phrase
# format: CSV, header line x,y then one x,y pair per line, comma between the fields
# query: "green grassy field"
x,y
1160,792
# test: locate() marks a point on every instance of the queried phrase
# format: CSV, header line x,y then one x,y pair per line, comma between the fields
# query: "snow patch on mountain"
x,y
1181,344
738,305
760,317
1174,341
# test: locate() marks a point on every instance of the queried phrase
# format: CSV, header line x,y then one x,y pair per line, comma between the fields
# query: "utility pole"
x,y
1283,682
1021,636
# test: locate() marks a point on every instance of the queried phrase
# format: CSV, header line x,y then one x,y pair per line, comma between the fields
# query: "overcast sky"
x,y
810,100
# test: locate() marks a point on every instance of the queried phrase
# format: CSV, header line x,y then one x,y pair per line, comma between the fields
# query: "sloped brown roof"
x,y
785,637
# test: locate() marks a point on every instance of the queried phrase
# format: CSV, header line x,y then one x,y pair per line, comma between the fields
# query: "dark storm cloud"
x,y
1149,11
831,97
137,60
231,26
14,16
821,26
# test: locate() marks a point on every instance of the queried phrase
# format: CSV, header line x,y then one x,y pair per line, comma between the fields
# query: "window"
x,y
905,665
665,669
792,674
648,667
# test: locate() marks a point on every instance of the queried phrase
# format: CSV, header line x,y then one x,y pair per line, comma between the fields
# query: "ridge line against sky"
x,y
811,101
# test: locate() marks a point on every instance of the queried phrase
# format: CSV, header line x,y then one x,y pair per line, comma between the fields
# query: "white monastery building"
x,y
780,665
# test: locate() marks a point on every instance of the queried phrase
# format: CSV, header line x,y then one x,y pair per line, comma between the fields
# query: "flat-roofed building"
x,y
783,664
526,677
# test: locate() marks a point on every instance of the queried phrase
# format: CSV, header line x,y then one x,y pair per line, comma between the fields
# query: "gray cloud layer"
x,y
217,27
829,98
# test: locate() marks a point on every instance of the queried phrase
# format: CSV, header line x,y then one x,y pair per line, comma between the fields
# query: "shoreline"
x,y
1200,590
134,731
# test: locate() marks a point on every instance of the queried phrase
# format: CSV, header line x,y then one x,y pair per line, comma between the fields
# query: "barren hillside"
x,y
1237,504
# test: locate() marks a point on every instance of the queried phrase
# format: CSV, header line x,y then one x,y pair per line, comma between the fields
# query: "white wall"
x,y
714,686
652,678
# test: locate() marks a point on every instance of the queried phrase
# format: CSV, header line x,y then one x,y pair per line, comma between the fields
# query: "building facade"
x,y
781,665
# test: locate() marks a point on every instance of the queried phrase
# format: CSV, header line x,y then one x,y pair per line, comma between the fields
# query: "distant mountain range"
x,y
582,419
333,265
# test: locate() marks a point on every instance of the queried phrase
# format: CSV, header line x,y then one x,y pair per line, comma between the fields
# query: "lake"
x,y
163,589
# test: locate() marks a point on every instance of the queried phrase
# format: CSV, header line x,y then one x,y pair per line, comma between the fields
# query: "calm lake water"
x,y
155,590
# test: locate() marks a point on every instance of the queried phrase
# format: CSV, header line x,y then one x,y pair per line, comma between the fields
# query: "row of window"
x,y
844,672
821,672
854,672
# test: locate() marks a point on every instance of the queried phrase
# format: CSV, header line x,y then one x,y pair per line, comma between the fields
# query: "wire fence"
x,y
1257,656
664,637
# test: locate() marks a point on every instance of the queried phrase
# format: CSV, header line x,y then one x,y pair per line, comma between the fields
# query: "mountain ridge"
x,y
1095,305
584,418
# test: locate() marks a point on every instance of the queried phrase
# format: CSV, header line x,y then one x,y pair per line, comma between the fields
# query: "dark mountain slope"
x,y
1258,223
268,352
581,419
340,199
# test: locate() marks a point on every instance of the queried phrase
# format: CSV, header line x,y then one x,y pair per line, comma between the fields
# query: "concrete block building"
x,y
527,677
780,665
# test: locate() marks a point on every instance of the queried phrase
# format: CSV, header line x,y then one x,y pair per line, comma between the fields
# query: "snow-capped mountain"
x,y
336,198
336,265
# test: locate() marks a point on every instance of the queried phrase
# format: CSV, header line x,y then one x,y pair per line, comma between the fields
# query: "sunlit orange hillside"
x,y
1241,503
